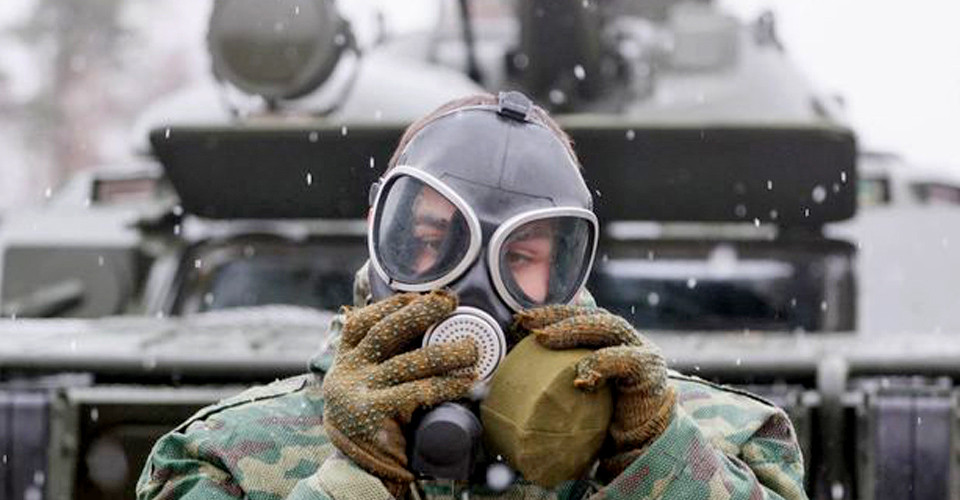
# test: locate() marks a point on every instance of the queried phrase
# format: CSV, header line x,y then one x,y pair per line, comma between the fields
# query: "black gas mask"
x,y
490,203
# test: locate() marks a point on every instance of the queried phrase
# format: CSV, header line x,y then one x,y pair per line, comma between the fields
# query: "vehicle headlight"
x,y
281,49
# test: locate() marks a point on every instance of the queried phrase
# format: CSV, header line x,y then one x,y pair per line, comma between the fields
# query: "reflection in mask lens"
x,y
420,234
543,261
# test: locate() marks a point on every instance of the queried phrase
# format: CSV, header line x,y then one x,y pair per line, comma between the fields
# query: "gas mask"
x,y
490,203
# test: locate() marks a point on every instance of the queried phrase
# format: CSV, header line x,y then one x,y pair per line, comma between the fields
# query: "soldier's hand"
x,y
644,400
374,386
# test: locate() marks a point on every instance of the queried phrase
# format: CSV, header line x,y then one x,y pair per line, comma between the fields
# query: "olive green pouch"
x,y
535,418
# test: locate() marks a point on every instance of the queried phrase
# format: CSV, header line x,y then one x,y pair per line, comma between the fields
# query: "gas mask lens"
x,y
420,235
544,260
425,236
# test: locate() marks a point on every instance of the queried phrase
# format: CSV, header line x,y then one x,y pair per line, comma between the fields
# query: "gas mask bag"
x,y
538,421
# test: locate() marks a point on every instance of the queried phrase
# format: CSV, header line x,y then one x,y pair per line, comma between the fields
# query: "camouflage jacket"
x,y
269,443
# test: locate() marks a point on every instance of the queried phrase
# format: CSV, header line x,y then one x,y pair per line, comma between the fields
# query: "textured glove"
x,y
374,386
644,402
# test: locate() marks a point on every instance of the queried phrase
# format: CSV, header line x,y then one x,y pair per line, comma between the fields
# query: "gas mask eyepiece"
x,y
426,235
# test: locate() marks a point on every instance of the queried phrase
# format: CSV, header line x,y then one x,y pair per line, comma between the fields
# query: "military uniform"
x,y
269,443
484,207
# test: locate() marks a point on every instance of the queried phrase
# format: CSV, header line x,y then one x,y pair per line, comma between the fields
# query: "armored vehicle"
x,y
727,189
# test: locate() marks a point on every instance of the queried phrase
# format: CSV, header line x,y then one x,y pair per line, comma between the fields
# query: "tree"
x,y
79,43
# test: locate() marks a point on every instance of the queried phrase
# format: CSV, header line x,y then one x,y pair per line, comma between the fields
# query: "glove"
x,y
374,386
643,401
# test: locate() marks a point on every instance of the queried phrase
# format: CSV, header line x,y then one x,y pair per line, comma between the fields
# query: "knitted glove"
x,y
374,386
644,402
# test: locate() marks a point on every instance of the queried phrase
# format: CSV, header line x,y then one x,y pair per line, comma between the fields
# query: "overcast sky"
x,y
896,63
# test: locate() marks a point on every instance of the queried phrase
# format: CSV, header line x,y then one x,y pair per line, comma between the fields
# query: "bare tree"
x,y
80,43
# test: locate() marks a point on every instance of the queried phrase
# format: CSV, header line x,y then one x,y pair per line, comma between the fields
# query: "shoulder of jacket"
x,y
725,389
250,396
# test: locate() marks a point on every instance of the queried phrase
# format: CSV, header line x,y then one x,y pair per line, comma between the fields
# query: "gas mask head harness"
x,y
489,202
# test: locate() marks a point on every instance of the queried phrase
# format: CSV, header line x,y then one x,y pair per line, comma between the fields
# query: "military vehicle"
x,y
887,179
726,187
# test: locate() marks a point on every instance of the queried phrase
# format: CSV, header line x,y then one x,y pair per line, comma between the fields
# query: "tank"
x,y
726,186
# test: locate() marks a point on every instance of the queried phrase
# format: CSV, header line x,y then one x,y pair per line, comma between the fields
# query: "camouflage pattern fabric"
x,y
269,443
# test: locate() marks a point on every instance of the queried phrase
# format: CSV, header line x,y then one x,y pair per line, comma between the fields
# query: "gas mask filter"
x,y
536,419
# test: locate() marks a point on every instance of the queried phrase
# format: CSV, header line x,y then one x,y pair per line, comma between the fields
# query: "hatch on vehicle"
x,y
729,285
785,175
255,270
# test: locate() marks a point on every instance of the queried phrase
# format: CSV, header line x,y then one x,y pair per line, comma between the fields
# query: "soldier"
x,y
483,205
